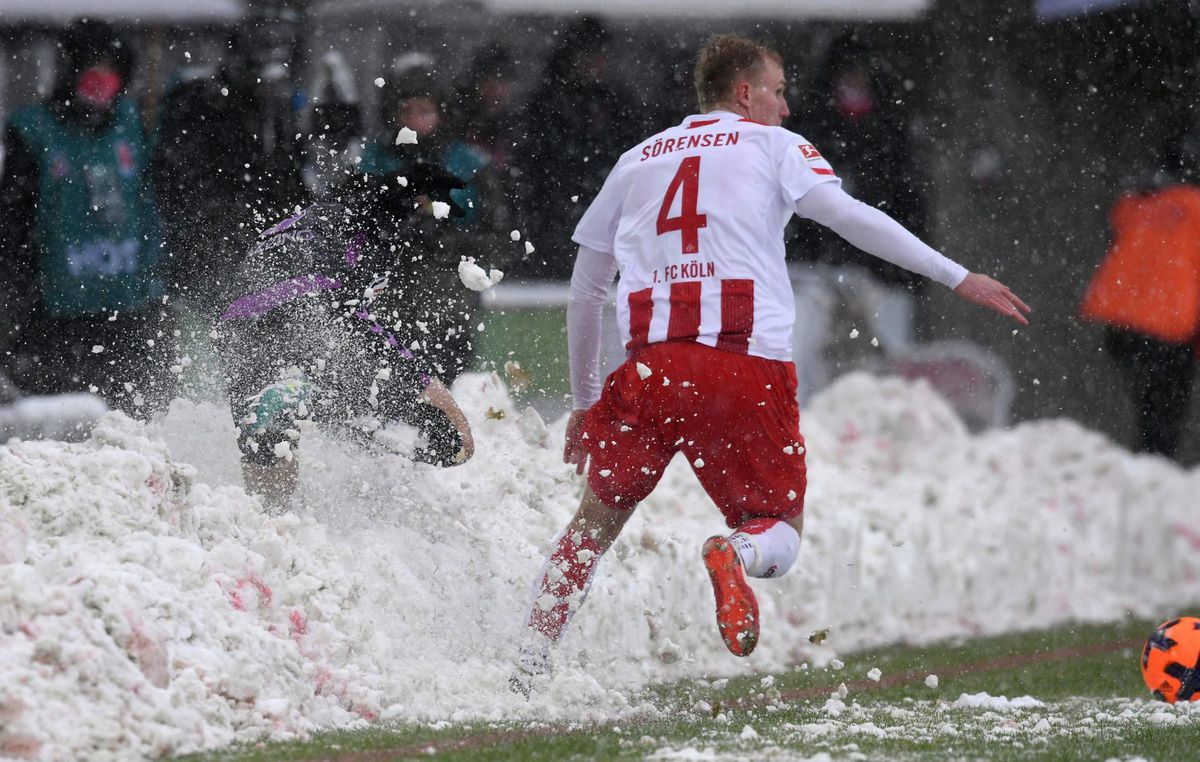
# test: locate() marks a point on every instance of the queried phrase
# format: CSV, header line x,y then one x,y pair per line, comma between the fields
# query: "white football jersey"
x,y
694,217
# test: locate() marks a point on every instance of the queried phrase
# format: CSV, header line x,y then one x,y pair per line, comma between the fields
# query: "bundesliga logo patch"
x,y
814,157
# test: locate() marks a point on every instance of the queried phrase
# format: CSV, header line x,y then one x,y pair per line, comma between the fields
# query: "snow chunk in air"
x,y
473,276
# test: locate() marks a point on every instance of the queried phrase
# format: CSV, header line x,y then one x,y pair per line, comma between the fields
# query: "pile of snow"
x,y
61,416
984,700
147,604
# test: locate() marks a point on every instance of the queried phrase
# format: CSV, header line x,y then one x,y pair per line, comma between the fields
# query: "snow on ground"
x,y
996,723
148,606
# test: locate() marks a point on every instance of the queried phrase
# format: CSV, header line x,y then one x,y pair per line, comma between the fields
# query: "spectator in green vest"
x,y
79,236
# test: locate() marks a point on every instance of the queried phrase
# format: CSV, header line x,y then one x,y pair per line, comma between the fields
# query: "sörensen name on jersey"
x,y
707,140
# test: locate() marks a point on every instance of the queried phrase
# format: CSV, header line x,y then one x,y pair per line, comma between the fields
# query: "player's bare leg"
x,y
273,484
762,547
564,583
797,523
597,520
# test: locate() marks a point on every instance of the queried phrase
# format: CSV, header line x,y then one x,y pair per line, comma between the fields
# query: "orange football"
x,y
1171,660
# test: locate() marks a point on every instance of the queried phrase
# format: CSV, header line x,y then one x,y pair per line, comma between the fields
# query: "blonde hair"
x,y
722,61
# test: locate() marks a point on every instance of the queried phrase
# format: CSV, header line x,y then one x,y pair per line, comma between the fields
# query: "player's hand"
x,y
993,294
437,395
468,445
573,450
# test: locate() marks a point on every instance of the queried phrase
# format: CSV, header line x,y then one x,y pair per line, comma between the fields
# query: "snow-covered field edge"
x,y
148,606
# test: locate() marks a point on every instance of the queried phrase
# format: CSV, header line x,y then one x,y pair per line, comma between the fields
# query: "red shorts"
x,y
733,416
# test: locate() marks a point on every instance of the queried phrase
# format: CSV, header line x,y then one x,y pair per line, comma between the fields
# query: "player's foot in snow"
x,y
533,663
737,609
521,683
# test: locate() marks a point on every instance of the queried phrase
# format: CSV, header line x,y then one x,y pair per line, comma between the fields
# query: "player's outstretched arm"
x,y
992,294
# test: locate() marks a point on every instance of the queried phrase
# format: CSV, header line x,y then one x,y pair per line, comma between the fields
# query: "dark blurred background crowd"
x,y
142,156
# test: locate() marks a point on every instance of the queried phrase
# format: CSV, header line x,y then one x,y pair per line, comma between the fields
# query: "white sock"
x,y
767,547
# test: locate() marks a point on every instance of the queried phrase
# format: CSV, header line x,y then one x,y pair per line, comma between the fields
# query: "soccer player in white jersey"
x,y
693,220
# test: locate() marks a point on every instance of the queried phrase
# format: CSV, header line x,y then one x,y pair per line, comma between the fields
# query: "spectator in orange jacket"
x,y
1147,292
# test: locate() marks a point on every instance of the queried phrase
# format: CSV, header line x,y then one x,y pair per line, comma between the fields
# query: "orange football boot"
x,y
737,609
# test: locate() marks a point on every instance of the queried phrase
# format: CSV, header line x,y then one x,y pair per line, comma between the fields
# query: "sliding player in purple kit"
x,y
309,331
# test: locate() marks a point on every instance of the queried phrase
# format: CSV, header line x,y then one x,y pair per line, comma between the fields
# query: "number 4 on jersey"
x,y
688,222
